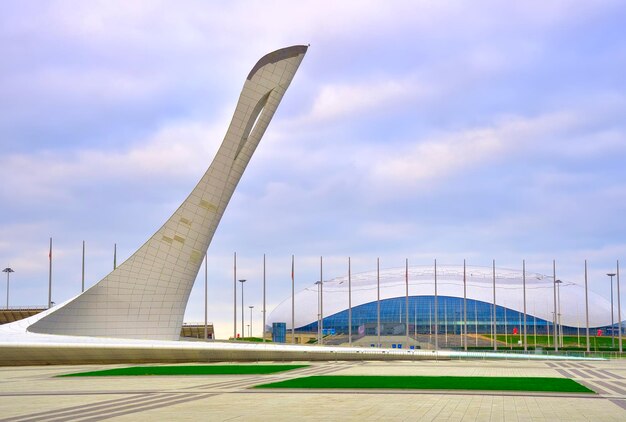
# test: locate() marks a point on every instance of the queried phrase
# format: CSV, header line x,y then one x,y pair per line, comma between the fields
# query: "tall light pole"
x,y
243,333
8,270
251,307
612,321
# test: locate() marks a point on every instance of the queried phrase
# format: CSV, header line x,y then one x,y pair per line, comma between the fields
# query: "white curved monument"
x,y
146,296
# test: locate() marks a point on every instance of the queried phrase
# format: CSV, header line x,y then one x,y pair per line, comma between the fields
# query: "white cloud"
x,y
388,231
343,100
177,150
431,161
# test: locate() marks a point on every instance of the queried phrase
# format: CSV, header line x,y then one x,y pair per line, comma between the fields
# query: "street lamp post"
x,y
251,307
612,321
243,333
8,270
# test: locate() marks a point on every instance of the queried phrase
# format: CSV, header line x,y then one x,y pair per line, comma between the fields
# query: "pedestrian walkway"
x,y
33,393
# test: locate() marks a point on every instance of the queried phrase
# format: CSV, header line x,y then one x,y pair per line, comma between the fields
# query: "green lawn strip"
x,y
544,340
188,370
560,385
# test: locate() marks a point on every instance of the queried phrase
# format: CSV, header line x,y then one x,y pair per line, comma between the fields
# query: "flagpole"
x,y
464,307
619,311
350,302
263,298
293,302
495,315
235,296
378,300
50,276
524,288
206,298
321,302
406,277
114,255
587,307
436,311
83,269
556,338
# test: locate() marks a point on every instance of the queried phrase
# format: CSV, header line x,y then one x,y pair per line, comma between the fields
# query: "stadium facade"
x,y
447,310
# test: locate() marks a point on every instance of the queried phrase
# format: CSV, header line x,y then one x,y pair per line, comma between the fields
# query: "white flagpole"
x,y
235,296
587,308
350,302
264,310
293,302
50,276
83,269
619,311
406,276
206,299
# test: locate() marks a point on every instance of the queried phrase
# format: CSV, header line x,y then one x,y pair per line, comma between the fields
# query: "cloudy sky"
x,y
418,129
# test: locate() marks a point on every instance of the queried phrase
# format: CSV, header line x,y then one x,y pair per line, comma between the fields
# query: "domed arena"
x,y
463,304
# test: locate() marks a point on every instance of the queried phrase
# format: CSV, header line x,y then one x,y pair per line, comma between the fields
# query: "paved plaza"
x,y
33,393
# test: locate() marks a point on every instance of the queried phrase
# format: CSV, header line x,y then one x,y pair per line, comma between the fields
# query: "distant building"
x,y
279,332
449,305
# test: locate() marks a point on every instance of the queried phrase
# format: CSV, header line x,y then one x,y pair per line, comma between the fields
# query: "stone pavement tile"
x,y
454,368
305,406
54,393
11,406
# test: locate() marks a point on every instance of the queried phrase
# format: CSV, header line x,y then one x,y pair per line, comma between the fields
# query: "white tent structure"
x,y
421,281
